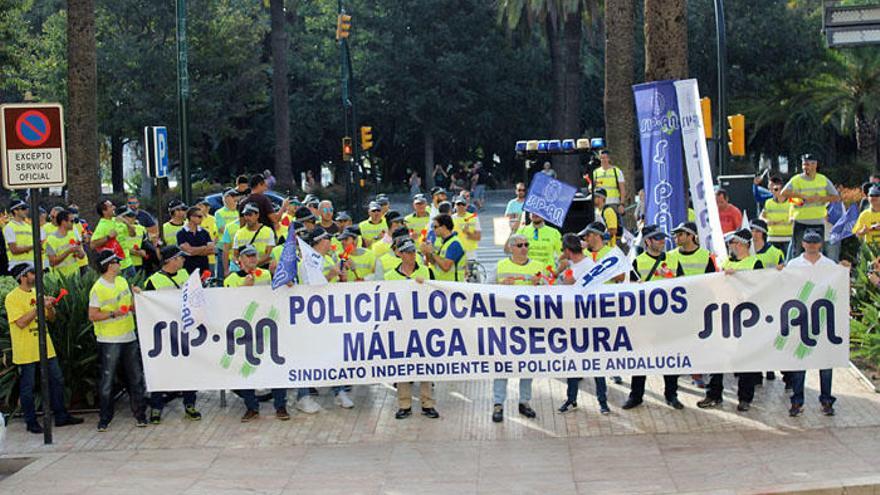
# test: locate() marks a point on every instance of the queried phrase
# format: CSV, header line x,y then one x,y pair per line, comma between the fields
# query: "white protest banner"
x,y
611,265
192,302
312,272
392,331
699,170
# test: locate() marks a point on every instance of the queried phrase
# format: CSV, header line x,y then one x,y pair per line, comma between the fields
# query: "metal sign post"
x,y
32,153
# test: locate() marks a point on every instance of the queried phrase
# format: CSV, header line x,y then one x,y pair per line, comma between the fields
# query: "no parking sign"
x,y
32,145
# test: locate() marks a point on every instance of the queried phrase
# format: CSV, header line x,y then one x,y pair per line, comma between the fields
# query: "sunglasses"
x,y
522,244
520,190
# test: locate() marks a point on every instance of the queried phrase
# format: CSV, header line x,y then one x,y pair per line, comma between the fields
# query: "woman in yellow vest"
x,y
111,310
812,192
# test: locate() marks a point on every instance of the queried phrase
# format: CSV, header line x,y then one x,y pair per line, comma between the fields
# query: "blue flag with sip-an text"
x,y
844,225
286,270
660,137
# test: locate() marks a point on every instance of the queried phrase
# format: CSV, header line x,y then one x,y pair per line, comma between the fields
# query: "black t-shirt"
x,y
199,238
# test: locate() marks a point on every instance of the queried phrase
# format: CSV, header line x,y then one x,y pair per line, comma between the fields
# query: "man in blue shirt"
x,y
515,207
195,242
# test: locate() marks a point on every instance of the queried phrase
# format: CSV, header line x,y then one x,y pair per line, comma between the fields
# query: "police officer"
x,y
518,269
607,214
653,264
360,263
692,260
579,265
171,276
250,275
811,191
770,255
738,242
111,310
390,260
419,219
373,228
545,242
409,269
449,261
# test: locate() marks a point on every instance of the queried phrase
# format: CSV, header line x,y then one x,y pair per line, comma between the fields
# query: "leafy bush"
x,y
865,303
73,336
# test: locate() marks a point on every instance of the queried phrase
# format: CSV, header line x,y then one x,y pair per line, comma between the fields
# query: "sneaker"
x,y
631,404
282,414
103,425
430,412
796,410
827,409
675,404
403,413
568,406
709,403
141,422
308,405
34,428
155,416
343,400
603,408
249,415
617,380
743,406
526,410
68,421
498,413
192,413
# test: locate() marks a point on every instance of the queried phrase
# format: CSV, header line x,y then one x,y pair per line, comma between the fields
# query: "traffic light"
x,y
737,134
706,108
366,137
343,26
347,150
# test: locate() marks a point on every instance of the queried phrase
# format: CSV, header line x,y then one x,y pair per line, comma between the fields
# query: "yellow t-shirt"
x,y
25,341
866,219
209,224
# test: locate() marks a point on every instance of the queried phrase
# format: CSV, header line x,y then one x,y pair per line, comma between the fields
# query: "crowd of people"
x,y
240,244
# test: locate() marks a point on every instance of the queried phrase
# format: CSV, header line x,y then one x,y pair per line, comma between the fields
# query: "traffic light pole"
x,y
721,132
353,173
183,96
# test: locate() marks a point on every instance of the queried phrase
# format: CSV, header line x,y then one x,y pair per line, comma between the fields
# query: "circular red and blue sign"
x,y
33,128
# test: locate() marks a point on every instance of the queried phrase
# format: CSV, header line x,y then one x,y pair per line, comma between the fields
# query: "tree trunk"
x,y
620,122
568,168
665,39
429,158
82,109
280,90
556,45
116,170
866,141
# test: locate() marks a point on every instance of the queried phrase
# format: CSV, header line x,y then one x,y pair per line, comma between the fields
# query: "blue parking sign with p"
x,y
161,152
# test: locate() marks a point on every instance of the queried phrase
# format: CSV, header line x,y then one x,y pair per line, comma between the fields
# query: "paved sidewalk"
x,y
652,449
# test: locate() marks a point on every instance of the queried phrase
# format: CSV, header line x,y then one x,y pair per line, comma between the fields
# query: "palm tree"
x,y
561,22
280,89
665,39
82,112
848,97
619,77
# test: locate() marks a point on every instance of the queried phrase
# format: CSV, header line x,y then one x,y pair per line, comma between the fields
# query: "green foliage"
x,y
72,335
865,304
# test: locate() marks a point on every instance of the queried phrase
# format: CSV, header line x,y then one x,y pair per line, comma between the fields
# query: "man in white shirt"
x,y
573,251
812,257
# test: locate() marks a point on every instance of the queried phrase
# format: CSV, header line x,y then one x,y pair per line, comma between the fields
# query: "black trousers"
x,y
745,388
670,389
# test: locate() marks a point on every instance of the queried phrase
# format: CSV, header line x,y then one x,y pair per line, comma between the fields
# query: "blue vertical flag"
x,y
286,270
660,138
844,225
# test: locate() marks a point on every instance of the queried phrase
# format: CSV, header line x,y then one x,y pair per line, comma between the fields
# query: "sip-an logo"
x,y
254,339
